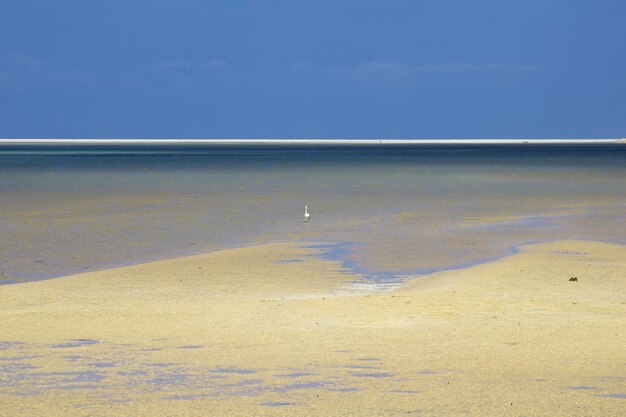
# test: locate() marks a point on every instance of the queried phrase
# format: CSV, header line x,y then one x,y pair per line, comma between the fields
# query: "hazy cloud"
x,y
177,65
184,73
23,62
400,72
216,63
19,71
400,68
375,68
185,65
467,67
23,72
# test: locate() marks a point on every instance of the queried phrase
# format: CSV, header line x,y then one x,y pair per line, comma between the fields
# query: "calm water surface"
x,y
411,209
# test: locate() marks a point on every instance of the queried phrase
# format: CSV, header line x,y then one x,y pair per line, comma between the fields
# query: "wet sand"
x,y
271,330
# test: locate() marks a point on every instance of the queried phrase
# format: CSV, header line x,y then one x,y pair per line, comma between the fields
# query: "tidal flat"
x,y
267,337
430,281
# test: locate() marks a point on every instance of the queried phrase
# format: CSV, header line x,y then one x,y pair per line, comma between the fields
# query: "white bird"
x,y
307,216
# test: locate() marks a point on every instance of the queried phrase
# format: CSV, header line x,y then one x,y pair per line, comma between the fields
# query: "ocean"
x,y
384,211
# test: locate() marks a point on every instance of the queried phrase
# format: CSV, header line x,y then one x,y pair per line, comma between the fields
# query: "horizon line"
x,y
263,141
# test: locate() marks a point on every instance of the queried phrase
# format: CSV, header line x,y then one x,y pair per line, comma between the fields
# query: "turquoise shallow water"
x,y
397,209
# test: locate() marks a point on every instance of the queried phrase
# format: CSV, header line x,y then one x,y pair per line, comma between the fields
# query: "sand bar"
x,y
304,142
270,330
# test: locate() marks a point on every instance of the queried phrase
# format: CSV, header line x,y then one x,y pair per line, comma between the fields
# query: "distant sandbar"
x,y
288,142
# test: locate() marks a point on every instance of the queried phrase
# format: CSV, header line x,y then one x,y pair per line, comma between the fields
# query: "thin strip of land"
x,y
288,142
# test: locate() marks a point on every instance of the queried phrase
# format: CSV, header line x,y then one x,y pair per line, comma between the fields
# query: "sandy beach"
x,y
272,330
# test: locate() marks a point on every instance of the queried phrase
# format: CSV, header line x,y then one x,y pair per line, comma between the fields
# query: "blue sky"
x,y
312,69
